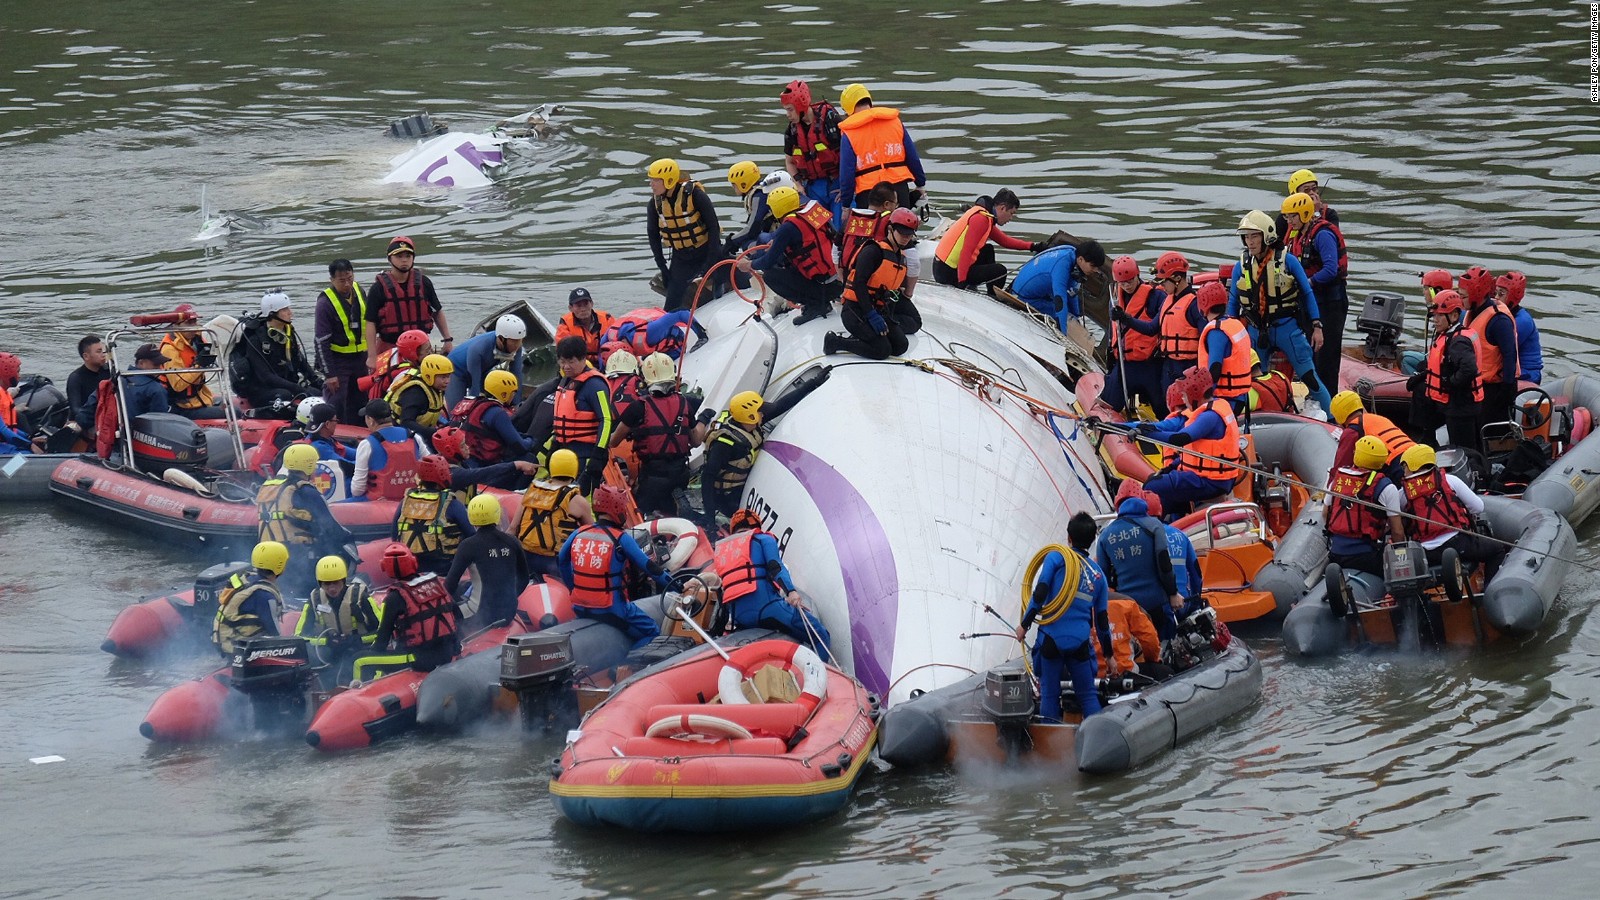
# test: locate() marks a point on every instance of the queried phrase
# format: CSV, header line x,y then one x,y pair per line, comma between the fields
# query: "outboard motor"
x,y
1008,702
1195,642
40,405
208,588
1407,577
162,441
538,668
1381,319
275,673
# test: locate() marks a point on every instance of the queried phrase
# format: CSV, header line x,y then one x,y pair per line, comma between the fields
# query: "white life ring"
x,y
814,675
685,539
697,726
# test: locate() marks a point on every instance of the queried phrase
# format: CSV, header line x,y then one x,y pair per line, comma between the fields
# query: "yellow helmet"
x,y
1418,457
563,464
301,458
783,201
1256,220
501,385
1371,452
667,170
271,556
743,176
332,568
745,408
1301,178
1345,404
483,510
852,95
1299,204
433,364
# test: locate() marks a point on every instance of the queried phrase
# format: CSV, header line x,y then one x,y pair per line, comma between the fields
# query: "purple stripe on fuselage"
x,y
866,563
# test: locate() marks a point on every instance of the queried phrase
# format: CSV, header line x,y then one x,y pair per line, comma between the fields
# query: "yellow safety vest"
x,y
355,341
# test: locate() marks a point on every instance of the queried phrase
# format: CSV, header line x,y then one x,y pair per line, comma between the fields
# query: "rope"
x,y
733,281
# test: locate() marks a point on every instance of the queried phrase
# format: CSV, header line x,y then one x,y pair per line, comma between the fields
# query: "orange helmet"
x,y
610,502
398,562
411,344
744,518
1476,283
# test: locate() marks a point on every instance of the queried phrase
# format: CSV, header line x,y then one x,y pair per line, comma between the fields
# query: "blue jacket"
x,y
751,234
1088,610
327,449
1528,348
1206,425
474,359
13,442
776,254
141,394
498,420
659,329
1127,553
1291,264
1052,275
629,553
1185,564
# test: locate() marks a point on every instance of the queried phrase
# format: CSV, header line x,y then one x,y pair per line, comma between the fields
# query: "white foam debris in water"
x,y
42,760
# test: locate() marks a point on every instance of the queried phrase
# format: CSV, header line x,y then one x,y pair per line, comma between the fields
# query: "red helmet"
x,y
1476,283
1193,384
187,311
1447,302
610,502
796,96
1515,284
450,442
1438,279
398,562
610,347
1125,268
434,470
1211,295
1169,264
905,218
10,368
411,344
1131,489
744,518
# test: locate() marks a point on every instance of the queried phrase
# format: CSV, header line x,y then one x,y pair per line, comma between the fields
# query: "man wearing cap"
x,y
145,393
583,320
341,341
402,298
386,460
267,363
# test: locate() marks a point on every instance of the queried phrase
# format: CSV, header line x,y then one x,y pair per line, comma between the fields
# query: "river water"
x,y
1452,136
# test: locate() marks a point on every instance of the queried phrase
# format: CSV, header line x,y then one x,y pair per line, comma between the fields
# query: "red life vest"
x,y
740,576
1139,347
1357,520
665,432
596,582
1235,379
1428,495
861,226
1490,361
1273,392
389,370
639,341
403,309
813,258
399,472
1303,246
888,277
429,611
1434,381
574,425
482,441
814,154
626,389
106,418
1180,340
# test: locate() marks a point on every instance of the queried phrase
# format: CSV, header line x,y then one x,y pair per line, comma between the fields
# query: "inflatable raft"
x,y
1514,603
655,756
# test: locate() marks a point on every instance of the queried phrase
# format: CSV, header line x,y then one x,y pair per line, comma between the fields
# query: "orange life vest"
x,y
1225,447
1180,340
1362,521
1235,378
429,611
959,247
1139,347
1378,426
594,583
1435,382
889,276
1429,496
574,425
8,409
188,389
1490,360
814,257
877,137
598,323
740,576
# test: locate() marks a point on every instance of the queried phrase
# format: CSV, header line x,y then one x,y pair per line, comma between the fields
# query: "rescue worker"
x,y
757,587
745,176
681,217
623,381
431,522
1356,423
321,421
500,568
1052,282
83,383
404,356
466,474
551,510
1270,391
498,350
648,330
1305,181
1133,553
1135,646
1319,245
876,312
1134,350
267,363
490,435
663,427
188,395
965,256
1509,289
867,226
1363,509
341,341
402,298
1225,349
12,439
1203,424
386,459
1180,550
811,144
417,396
1068,600
1443,513
292,511
1180,320
1448,389
874,147
1271,293
420,627
798,263
731,449
600,560
1498,354
340,618
583,320
251,605
584,417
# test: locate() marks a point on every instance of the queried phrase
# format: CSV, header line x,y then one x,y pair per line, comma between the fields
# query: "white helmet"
x,y
776,180
621,361
274,300
510,327
302,413
658,369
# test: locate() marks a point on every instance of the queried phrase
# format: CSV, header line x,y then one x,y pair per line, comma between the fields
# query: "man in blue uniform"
x,y
1136,558
1069,600
1052,281
752,571
476,357
597,563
